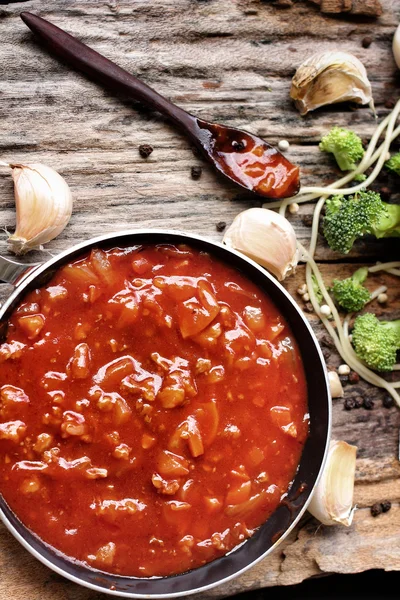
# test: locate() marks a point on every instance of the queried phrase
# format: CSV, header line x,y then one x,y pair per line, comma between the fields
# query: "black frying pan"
x,y
277,527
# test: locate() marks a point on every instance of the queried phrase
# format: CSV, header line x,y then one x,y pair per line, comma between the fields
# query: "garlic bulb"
x,y
328,78
43,205
396,46
266,237
332,500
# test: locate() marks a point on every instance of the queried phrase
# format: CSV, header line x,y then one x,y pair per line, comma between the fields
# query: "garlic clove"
x,y
43,205
396,46
332,500
335,385
266,237
328,78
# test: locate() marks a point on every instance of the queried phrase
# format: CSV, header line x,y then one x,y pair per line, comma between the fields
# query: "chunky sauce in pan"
x,y
153,410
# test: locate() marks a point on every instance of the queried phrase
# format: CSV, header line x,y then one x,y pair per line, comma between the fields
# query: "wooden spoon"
x,y
242,157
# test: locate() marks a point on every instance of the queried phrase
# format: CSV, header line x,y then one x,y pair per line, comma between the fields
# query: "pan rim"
x,y
115,237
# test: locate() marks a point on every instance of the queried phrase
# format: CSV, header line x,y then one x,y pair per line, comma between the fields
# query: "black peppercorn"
x,y
387,401
386,505
354,377
358,401
238,146
196,172
145,150
349,404
368,403
367,41
308,307
385,193
307,220
344,379
220,226
376,509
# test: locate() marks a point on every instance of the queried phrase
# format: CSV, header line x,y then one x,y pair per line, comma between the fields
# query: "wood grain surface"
x,y
230,61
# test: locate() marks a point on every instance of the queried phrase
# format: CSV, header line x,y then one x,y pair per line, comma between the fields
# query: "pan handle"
x,y
12,271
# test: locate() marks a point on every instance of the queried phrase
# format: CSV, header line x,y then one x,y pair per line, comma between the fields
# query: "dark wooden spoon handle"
x,y
102,69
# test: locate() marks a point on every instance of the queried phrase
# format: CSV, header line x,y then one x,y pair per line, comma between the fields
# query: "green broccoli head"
x,y
360,177
349,293
349,218
393,164
376,342
345,145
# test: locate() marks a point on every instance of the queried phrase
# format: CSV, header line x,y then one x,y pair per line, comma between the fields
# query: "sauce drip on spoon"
x,y
249,160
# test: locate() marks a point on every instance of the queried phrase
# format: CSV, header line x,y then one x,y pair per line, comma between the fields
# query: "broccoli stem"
x,y
393,326
389,224
360,275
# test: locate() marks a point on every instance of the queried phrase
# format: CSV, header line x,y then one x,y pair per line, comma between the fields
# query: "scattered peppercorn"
x,y
220,226
349,404
368,403
367,41
387,401
358,401
376,509
385,193
196,172
238,146
390,103
386,505
354,377
145,150
308,307
307,220
344,379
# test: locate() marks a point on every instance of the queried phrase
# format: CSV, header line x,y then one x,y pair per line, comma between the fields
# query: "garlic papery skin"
x,y
43,204
396,46
266,237
332,500
330,77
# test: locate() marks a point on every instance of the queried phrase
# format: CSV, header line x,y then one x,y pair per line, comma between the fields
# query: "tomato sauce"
x,y
250,161
153,410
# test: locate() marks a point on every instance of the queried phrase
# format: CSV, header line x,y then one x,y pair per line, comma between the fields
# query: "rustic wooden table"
x,y
230,61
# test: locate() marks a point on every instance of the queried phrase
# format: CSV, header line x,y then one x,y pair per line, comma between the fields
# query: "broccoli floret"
x,y
345,145
393,164
351,217
360,177
349,293
376,342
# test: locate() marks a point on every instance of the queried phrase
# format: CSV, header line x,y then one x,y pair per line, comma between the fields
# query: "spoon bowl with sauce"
x,y
245,159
